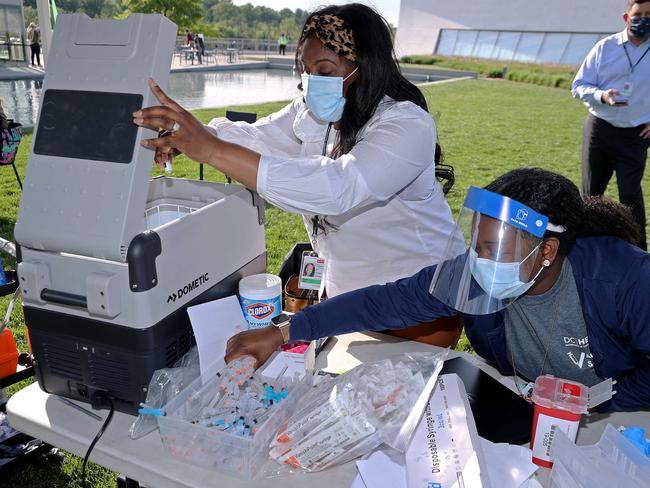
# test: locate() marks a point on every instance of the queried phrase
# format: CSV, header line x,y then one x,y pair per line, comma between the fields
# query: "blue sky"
x,y
387,8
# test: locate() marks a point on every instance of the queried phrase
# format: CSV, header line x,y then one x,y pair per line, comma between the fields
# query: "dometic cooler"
x,y
109,259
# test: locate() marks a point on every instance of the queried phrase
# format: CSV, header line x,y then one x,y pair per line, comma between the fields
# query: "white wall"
x,y
420,21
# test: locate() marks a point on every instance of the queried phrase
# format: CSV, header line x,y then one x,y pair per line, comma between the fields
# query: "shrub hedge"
x,y
557,76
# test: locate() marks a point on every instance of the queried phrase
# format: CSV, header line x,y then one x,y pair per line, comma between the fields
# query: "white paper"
x,y
285,364
213,324
447,433
383,469
358,482
532,483
509,466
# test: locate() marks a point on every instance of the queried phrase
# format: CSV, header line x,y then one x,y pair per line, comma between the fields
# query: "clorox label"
x,y
258,312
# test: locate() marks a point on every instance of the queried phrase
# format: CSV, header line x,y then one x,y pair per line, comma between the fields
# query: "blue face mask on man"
x,y
324,96
640,27
499,280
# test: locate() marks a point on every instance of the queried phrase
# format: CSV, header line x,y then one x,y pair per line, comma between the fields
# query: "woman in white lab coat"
x,y
355,155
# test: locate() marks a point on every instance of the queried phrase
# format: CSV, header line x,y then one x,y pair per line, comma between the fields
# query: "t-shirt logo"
x,y
581,358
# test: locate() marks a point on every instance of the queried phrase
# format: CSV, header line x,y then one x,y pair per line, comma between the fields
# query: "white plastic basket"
x,y
164,213
212,448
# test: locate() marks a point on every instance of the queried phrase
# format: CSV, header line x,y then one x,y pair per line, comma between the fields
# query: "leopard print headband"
x,y
334,33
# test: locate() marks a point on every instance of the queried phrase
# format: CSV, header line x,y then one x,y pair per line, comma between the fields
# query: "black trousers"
x,y
36,53
605,149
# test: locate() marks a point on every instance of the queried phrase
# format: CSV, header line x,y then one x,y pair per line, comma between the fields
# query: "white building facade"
x,y
543,31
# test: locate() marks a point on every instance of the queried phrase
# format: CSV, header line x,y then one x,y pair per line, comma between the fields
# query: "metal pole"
x,y
45,24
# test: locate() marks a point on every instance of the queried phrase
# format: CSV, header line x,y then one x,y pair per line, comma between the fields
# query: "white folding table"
x,y
46,417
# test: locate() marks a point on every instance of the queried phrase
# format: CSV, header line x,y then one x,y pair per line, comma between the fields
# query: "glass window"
x,y
11,43
531,47
528,46
485,44
506,45
447,41
465,42
578,48
14,19
553,47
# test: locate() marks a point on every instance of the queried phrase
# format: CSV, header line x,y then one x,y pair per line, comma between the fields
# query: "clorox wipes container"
x,y
260,296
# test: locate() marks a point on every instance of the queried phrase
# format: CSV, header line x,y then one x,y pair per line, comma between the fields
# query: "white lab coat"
x,y
391,214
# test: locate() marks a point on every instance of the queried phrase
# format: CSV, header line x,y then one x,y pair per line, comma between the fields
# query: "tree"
x,y
253,22
184,13
30,15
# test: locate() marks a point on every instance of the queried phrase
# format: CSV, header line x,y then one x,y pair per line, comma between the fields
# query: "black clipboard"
x,y
500,414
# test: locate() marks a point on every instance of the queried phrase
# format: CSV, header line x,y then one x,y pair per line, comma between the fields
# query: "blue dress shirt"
x,y
606,66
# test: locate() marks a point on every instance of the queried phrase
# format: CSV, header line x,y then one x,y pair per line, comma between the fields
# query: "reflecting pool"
x,y
192,90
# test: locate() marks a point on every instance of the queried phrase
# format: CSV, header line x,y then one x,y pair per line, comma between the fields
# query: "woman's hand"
x,y
187,134
259,343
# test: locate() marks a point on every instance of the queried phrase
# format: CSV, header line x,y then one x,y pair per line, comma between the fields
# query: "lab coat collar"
x,y
307,127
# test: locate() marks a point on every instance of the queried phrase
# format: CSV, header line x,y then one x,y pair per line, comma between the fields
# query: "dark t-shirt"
x,y
551,325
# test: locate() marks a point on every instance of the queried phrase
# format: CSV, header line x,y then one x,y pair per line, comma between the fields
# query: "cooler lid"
x,y
87,179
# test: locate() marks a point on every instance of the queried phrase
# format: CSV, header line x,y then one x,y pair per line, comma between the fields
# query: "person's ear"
x,y
549,251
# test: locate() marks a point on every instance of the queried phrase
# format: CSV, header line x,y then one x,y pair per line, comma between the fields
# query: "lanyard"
x,y
327,135
629,60
319,222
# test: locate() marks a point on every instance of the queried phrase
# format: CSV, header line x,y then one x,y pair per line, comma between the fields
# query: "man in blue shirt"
x,y
614,84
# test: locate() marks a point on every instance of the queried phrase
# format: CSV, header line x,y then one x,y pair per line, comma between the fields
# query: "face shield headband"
x,y
490,256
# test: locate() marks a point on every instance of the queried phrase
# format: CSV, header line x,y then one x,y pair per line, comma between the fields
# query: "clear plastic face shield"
x,y
498,262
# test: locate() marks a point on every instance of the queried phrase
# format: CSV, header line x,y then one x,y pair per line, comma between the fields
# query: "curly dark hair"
x,y
558,198
379,75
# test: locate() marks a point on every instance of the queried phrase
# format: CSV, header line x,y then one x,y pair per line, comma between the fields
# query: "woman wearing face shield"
x,y
547,284
355,155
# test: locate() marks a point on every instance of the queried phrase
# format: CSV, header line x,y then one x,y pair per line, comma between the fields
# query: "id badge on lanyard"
x,y
626,92
312,272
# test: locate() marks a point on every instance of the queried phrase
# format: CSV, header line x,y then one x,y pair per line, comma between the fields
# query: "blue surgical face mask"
x,y
499,280
640,27
324,96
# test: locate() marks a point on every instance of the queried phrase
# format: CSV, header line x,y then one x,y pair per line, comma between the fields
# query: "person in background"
x,y
614,84
549,283
189,38
34,39
199,46
282,45
4,122
356,155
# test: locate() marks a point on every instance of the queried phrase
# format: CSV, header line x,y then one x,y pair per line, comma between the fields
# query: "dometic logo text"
x,y
260,310
190,287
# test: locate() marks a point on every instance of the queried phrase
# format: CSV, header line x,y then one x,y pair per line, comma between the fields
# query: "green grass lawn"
x,y
487,127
